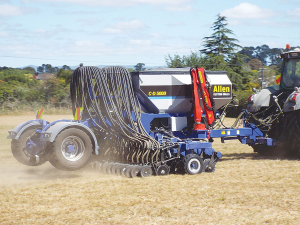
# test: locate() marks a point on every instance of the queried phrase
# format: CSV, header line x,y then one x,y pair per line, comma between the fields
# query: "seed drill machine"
x,y
158,122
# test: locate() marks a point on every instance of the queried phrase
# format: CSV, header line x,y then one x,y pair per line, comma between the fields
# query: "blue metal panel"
x,y
231,132
195,145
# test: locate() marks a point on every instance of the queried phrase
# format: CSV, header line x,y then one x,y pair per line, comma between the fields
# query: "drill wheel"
x,y
114,167
103,167
135,171
128,171
119,169
123,168
108,168
193,164
163,170
205,164
146,171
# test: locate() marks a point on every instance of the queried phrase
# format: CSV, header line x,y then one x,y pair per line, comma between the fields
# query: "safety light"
x,y
250,99
288,46
292,98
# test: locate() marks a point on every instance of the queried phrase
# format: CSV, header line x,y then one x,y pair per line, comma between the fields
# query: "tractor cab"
x,y
290,76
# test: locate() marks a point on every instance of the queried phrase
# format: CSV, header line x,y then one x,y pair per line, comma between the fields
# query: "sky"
x,y
127,32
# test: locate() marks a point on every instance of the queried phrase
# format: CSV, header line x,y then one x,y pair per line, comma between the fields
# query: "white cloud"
x,y
10,10
247,11
176,24
295,12
141,42
179,8
124,27
174,5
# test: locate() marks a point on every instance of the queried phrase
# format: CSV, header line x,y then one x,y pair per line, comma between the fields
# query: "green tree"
x,y
255,64
174,62
40,69
219,43
139,67
65,74
65,67
192,60
30,69
248,52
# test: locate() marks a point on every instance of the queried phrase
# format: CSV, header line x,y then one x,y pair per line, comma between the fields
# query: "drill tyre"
x,y
119,169
128,171
193,164
146,171
109,167
135,171
71,150
163,170
18,149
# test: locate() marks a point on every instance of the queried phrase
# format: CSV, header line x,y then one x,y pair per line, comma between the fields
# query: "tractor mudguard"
x,y
260,99
16,132
49,133
292,103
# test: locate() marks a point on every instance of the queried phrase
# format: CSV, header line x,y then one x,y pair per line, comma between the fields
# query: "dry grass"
x,y
245,189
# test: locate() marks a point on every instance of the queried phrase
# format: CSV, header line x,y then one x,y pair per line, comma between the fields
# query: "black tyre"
x,y
205,164
145,171
128,171
71,150
135,171
27,147
123,169
193,164
114,167
163,170
119,169
293,131
109,167
103,167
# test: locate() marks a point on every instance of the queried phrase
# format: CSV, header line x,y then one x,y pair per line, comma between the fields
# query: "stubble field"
x,y
246,188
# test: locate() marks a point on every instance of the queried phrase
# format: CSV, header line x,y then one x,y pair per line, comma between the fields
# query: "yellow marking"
x,y
200,76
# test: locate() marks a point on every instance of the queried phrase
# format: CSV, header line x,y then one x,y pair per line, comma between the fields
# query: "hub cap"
x,y
194,166
72,148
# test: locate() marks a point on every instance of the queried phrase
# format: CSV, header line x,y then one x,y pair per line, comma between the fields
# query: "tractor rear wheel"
x,y
28,147
293,132
71,150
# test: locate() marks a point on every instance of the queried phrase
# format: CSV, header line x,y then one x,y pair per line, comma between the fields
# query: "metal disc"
x,y
103,167
163,170
146,171
118,169
128,171
123,168
135,171
113,168
108,168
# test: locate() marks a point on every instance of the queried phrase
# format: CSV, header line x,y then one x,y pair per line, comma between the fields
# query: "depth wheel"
x,y
71,150
123,168
145,171
128,171
27,147
109,167
135,171
119,169
193,164
114,167
205,164
163,170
